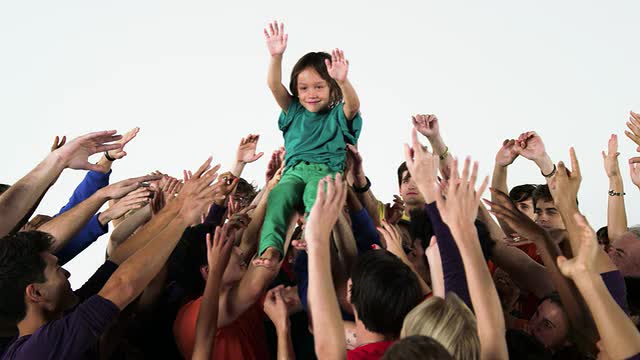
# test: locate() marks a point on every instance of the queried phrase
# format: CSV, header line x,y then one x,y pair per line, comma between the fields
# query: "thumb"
x,y
257,156
561,260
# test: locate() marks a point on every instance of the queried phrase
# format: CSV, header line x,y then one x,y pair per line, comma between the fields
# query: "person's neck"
x,y
410,207
31,323
365,336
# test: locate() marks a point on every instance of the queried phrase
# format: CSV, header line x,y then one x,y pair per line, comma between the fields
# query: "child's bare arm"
x,y
338,68
277,44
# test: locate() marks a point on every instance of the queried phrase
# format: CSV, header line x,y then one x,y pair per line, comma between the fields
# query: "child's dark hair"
x,y
315,60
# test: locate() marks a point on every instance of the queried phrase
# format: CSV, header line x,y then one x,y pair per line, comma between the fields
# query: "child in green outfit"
x,y
319,118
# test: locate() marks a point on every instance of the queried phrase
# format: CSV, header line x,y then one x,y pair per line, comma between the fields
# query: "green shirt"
x,y
319,138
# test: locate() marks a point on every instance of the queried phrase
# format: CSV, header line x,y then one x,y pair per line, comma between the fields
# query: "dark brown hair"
x,y
315,60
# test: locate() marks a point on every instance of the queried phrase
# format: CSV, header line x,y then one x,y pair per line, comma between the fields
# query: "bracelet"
x,y
613,193
363,189
553,172
106,155
445,153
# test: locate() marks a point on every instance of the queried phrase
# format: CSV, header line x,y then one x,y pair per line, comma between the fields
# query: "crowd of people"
x,y
312,265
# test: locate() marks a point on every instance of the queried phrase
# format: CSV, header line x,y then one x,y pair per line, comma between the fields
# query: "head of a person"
x,y
31,279
522,196
382,292
603,237
312,85
625,252
408,188
524,346
550,324
417,347
188,263
244,193
546,212
448,321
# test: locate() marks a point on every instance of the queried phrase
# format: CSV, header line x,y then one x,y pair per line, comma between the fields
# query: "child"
x,y
319,118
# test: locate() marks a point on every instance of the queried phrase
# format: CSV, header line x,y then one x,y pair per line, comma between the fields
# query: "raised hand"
x,y
530,146
507,153
324,213
246,152
426,125
276,38
338,67
275,163
134,200
121,188
197,193
128,136
461,207
75,154
393,213
584,259
393,240
634,170
276,308
611,157
634,125
219,248
423,167
564,185
57,143
226,184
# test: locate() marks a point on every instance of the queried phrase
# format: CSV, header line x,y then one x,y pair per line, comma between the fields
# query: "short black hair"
x,y
384,290
21,264
522,192
401,169
246,190
541,193
187,258
417,347
316,61
3,188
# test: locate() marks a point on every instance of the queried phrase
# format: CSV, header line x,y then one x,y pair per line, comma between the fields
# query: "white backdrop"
x,y
192,75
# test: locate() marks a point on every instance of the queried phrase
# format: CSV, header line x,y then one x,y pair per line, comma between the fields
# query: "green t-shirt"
x,y
319,138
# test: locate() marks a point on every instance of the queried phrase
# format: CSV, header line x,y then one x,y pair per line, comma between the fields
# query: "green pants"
x,y
297,187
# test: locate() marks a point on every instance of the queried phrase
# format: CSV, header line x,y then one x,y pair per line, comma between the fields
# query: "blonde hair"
x,y
449,321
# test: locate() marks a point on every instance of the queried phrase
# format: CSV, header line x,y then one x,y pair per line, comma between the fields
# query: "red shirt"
x,y
373,351
243,339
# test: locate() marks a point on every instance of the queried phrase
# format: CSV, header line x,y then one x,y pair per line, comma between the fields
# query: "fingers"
x,y
107,147
205,166
575,165
408,157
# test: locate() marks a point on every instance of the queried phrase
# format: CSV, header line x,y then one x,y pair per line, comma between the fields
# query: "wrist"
x,y
437,144
104,218
544,163
359,180
342,83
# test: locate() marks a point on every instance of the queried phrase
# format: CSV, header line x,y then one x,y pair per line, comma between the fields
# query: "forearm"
x,y
127,227
137,271
545,165
66,225
82,240
499,182
524,271
616,213
620,337
274,81
251,235
105,163
207,322
351,100
20,198
441,149
138,240
285,345
367,199
237,169
491,326
325,311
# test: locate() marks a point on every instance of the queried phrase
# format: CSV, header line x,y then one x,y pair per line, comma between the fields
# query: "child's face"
x,y
313,90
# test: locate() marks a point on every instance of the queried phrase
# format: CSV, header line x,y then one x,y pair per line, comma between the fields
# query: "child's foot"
x,y
271,255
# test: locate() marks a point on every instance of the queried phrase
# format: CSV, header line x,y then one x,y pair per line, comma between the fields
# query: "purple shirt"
x,y
74,336
617,288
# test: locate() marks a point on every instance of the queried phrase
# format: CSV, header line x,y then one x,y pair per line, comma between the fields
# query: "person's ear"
x,y
349,285
33,293
204,272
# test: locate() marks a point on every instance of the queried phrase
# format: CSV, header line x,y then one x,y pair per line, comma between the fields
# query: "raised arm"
x,y
246,153
616,213
21,196
531,147
459,211
338,68
505,157
564,186
329,334
362,185
276,309
218,253
127,227
429,126
65,226
619,337
138,270
277,44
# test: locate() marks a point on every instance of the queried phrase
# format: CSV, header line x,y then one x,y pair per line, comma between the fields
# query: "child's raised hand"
x,y
338,67
276,38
